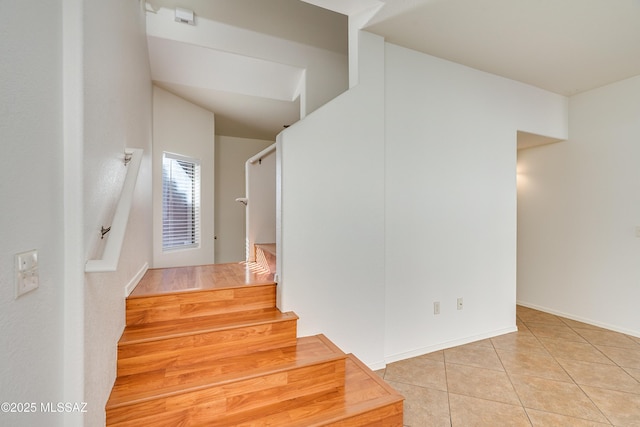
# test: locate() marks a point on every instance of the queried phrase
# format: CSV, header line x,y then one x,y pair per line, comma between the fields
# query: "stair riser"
x,y
225,367
212,405
197,304
385,416
181,351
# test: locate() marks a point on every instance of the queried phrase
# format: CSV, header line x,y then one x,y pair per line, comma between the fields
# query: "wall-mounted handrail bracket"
x,y
113,245
264,153
104,231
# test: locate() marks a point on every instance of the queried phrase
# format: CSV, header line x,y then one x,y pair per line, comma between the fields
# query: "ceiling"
x,y
564,46
244,60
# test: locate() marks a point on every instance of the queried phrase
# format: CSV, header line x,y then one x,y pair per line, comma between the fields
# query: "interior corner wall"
x,y
402,192
450,207
183,128
31,90
578,213
117,114
230,225
332,207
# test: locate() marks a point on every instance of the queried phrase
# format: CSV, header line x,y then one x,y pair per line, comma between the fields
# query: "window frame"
x,y
171,240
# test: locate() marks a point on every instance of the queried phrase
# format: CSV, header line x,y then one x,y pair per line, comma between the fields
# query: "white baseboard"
x,y
580,319
376,366
448,344
135,280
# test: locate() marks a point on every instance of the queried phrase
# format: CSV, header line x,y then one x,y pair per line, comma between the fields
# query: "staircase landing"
x,y
201,277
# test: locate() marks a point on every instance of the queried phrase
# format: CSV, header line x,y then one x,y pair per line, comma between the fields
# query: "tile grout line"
x,y
509,378
597,349
446,383
553,341
566,372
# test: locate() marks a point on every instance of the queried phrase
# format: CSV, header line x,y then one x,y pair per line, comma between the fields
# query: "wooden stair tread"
x,y
365,400
364,392
226,400
136,388
135,334
201,277
182,290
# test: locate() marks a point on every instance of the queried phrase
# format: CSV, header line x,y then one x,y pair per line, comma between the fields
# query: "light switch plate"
x,y
27,278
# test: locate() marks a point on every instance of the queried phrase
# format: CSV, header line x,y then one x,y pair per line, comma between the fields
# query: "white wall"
x,y
451,198
261,210
332,237
31,353
578,209
231,155
117,114
402,192
46,354
181,127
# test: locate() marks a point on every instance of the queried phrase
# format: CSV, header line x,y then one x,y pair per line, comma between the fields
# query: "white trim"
x,y
279,244
448,344
376,366
113,247
135,280
580,319
73,172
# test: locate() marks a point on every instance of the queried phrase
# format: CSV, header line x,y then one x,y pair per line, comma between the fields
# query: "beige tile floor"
x,y
552,372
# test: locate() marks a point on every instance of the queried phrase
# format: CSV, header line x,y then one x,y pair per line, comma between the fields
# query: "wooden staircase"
x,y
224,355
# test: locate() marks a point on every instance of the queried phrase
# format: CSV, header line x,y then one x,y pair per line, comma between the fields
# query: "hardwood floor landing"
x,y
202,277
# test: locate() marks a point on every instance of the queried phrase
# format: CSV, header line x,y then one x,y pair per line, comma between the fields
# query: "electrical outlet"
x,y
436,307
27,278
459,303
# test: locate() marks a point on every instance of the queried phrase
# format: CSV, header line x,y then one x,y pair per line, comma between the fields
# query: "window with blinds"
x,y
180,202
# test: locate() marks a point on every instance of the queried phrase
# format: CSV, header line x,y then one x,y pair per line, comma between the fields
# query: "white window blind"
x,y
180,202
